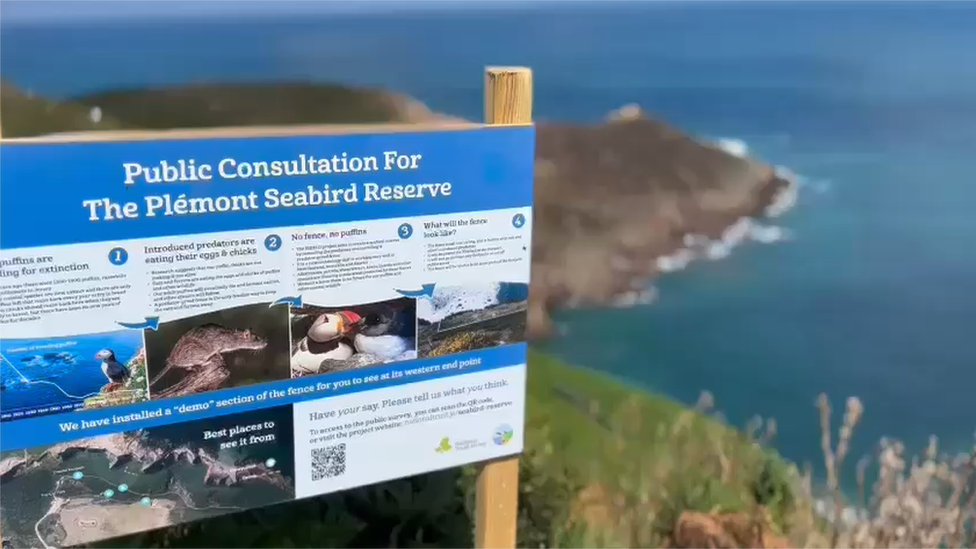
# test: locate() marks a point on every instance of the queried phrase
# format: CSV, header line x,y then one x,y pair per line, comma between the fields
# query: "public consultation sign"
x,y
194,326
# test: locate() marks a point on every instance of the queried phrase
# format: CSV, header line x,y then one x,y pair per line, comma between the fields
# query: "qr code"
x,y
328,462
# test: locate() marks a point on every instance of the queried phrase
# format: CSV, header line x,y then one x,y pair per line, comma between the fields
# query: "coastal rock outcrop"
x,y
612,198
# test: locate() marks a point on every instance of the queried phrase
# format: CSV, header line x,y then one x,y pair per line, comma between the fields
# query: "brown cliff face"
x,y
611,198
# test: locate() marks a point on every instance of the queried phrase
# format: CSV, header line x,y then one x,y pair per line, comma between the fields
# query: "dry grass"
x,y
698,467
929,502
693,464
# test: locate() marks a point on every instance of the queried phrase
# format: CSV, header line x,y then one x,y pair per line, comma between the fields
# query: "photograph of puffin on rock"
x,y
62,374
334,339
230,348
470,317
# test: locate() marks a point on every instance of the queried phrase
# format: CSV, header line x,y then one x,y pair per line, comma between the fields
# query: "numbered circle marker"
x,y
518,221
118,256
146,501
78,475
405,231
270,462
123,487
108,493
272,242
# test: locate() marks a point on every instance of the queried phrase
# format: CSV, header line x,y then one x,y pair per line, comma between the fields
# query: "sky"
x,y
53,10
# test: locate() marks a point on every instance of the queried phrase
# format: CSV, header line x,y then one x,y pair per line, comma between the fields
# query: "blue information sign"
x,y
273,311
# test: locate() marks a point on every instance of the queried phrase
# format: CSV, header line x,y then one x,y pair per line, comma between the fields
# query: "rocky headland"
x,y
610,198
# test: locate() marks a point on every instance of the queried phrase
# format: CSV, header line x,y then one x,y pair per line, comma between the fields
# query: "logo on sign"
x,y
444,446
503,435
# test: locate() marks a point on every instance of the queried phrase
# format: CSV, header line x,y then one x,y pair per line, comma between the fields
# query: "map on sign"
x,y
81,491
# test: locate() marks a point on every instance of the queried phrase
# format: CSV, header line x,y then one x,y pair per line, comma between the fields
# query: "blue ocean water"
x,y
39,376
873,103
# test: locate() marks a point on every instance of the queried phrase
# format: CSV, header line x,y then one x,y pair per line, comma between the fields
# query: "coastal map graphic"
x,y
81,491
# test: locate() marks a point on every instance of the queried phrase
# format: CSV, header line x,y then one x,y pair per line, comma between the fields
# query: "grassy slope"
x,y
204,106
25,115
638,459
281,104
574,404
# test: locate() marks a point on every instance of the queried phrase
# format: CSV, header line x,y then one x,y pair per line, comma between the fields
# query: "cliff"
x,y
610,198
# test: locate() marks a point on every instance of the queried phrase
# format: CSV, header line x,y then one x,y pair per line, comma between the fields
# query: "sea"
x,y
866,287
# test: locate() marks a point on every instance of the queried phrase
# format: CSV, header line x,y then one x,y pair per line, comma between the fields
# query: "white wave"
x,y
768,234
676,261
787,197
735,147
732,236
635,297
700,247
455,299
744,229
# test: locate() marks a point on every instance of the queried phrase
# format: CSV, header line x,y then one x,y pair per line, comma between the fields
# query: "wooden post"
x,y
508,101
508,96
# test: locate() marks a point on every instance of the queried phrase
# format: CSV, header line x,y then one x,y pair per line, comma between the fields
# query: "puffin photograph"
x,y
325,339
388,334
114,371
349,337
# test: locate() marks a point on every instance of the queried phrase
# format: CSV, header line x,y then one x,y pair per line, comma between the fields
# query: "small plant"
x,y
929,503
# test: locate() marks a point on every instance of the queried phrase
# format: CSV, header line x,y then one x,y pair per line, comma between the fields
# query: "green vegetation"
x,y
280,104
205,106
640,460
26,115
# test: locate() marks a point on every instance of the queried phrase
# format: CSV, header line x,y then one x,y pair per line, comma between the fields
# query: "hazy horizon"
x,y
60,11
